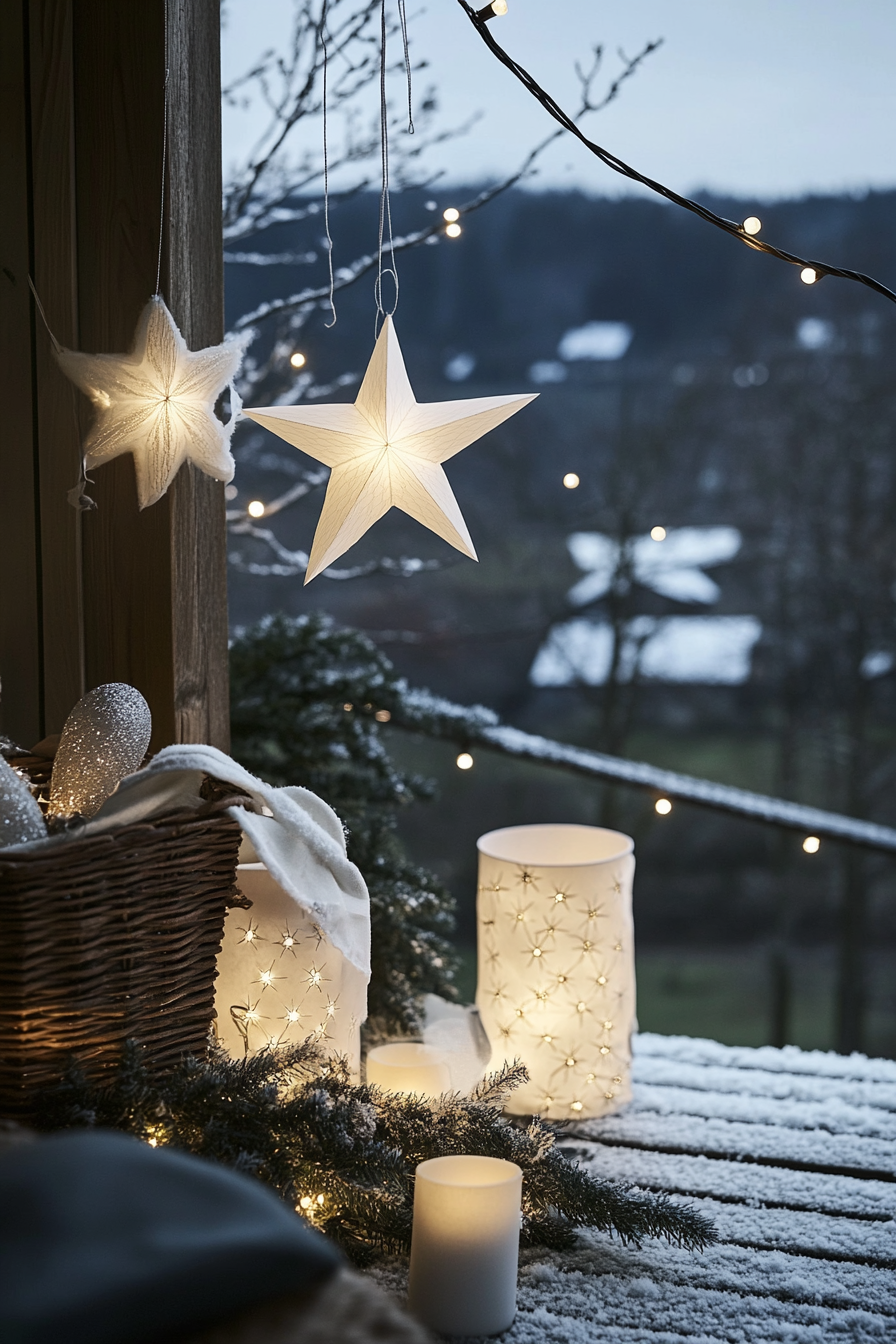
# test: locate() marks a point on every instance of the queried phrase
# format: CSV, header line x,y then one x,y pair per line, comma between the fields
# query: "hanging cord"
x,y
323,43
77,496
40,308
385,204
403,19
385,226
164,156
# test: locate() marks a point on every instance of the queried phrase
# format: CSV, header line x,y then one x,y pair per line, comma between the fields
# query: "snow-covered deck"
x,y
793,1156
791,1153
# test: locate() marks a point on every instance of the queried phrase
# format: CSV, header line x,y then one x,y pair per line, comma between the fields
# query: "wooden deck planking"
x,y
741,1182
788,1152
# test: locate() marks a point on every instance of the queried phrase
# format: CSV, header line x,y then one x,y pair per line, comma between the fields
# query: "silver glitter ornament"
x,y
104,739
20,817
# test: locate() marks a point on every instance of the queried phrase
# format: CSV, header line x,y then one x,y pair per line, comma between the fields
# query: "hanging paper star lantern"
x,y
158,403
386,450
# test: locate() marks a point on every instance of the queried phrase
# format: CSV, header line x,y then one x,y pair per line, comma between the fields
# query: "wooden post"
x,y
115,594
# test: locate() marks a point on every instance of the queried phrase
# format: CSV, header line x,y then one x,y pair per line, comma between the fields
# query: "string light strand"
x,y
820,269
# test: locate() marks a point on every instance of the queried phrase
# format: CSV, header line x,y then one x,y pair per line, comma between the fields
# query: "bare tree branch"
x,y
290,564
239,519
348,275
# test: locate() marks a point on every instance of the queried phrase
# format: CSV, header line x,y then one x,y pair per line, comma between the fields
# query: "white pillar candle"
x,y
556,982
465,1244
408,1067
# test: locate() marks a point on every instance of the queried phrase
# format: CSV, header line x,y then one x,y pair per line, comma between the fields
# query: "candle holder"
x,y
465,1244
280,979
409,1067
556,980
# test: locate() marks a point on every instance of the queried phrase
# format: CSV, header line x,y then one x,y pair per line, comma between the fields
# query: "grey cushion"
x,y
104,1240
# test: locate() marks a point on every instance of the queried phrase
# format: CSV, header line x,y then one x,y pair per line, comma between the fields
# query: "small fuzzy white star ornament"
x,y
158,403
386,450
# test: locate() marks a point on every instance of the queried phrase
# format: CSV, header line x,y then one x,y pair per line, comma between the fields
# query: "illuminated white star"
x,y
158,403
386,451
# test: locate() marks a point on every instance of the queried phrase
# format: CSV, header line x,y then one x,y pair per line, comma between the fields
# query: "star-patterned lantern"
x,y
556,982
279,978
158,403
386,450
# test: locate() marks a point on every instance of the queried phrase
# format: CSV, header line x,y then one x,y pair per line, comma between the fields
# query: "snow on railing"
x,y
422,712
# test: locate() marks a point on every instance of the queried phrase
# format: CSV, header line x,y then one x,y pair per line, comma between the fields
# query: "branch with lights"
x,y
746,232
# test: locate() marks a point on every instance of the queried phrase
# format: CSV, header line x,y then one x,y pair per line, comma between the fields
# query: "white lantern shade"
x,y
465,1244
556,974
280,980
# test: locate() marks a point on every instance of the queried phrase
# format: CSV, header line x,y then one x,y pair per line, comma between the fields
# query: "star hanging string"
x,y
386,450
158,403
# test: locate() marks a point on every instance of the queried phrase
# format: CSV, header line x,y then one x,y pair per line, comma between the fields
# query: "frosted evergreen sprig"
x,y
344,1154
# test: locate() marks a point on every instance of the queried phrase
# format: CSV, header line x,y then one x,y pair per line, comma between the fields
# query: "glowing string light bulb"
x,y
297,359
571,481
752,225
496,9
255,509
464,761
811,844
663,806
658,533
451,216
808,275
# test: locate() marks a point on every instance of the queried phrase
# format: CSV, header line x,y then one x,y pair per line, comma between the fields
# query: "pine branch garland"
x,y
344,1155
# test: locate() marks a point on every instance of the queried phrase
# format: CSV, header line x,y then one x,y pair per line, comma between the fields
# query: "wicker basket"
x,y
110,938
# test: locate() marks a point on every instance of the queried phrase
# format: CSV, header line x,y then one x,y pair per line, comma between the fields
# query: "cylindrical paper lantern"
x,y
556,984
465,1244
406,1066
280,980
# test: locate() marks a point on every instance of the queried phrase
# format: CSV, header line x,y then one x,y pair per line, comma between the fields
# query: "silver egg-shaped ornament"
x,y
105,738
21,819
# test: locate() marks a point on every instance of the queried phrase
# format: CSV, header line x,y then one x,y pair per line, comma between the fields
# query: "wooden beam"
x,y
119,65
111,595
58,444
196,286
21,662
